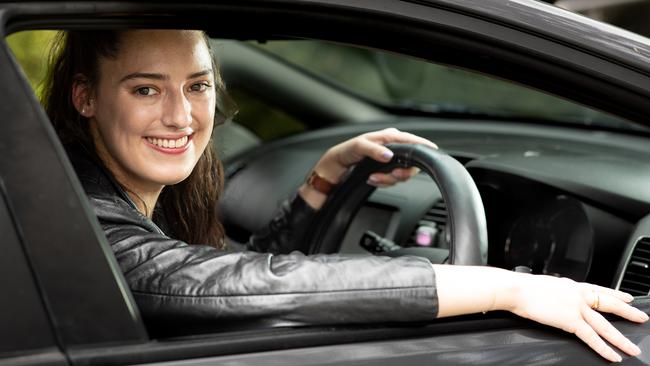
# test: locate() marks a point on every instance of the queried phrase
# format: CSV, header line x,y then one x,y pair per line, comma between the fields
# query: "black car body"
x,y
65,301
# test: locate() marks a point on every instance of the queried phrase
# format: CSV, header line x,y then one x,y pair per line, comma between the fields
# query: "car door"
x,y
70,296
26,335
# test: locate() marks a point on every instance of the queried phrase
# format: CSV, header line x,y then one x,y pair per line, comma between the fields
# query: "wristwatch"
x,y
319,183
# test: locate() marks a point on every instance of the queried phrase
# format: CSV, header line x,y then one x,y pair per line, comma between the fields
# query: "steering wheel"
x,y
466,223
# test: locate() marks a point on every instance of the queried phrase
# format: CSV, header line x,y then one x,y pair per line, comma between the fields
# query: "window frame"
x,y
119,336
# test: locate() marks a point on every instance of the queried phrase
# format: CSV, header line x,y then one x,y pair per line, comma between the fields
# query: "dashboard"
x,y
562,202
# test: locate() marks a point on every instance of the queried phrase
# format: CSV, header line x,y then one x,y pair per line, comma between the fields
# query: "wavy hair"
x,y
189,207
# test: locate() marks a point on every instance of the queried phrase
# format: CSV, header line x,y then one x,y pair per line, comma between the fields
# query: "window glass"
x,y
398,81
266,121
381,77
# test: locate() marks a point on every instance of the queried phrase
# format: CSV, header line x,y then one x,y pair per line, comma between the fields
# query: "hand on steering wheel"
x,y
336,162
466,222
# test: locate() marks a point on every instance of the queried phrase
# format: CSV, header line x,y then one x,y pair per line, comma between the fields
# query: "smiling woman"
x,y
133,108
136,110
141,103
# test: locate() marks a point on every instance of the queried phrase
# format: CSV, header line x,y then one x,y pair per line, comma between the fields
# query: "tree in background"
x,y
31,50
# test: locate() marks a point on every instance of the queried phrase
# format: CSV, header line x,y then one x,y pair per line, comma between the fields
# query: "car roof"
x,y
558,23
531,16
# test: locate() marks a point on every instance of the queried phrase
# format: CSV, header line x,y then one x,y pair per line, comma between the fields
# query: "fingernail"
x,y
387,154
397,174
635,350
372,180
628,297
644,316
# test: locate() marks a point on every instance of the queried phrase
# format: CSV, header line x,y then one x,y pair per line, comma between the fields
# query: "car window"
x,y
406,83
28,49
383,78
265,120
254,111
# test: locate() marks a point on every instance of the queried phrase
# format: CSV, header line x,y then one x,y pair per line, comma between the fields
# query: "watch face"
x,y
319,183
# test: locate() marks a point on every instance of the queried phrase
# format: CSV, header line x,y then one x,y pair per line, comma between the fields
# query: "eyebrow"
x,y
200,73
144,75
149,75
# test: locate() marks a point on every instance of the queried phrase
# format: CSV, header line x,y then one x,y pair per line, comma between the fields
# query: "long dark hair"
x,y
189,207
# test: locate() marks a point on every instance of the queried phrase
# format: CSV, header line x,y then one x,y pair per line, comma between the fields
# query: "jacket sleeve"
x,y
285,231
171,278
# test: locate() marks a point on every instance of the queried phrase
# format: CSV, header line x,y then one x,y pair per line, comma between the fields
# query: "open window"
x,y
312,72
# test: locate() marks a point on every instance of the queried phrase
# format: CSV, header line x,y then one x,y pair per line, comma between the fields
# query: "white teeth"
x,y
170,144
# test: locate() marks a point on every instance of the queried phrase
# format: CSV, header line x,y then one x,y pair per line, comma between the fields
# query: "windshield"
x,y
401,82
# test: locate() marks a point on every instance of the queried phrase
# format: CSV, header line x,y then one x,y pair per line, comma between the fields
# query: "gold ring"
x,y
596,303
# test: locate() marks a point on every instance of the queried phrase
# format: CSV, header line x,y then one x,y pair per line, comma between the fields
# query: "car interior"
x,y
560,163
559,198
557,195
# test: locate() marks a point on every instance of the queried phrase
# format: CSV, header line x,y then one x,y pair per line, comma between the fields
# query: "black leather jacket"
x,y
170,278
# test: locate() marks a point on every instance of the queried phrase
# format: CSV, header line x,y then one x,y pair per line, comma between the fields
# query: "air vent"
x,y
636,277
433,223
437,214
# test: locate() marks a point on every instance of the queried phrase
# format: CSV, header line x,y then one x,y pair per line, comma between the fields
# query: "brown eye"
x,y
199,87
144,90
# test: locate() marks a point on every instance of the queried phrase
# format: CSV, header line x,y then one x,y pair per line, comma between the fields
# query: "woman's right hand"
x,y
336,161
559,302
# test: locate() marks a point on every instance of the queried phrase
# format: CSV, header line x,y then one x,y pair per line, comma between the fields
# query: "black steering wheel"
x,y
467,224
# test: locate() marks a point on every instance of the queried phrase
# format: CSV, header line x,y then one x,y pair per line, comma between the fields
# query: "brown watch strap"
x,y
319,183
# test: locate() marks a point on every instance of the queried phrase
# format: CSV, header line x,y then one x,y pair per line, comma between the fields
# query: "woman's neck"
x,y
143,194
144,201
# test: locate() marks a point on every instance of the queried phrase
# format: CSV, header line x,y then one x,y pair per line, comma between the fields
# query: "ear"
x,y
82,96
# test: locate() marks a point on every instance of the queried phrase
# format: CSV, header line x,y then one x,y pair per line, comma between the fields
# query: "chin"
x,y
171,176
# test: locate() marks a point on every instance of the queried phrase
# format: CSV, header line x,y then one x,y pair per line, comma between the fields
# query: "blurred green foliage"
x,y
31,50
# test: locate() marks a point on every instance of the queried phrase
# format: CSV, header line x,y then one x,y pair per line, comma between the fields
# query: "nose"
x,y
177,110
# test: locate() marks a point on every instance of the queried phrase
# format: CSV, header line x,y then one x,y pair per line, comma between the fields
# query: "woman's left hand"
x,y
576,307
559,302
333,165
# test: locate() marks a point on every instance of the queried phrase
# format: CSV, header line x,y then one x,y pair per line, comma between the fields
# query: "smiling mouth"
x,y
169,143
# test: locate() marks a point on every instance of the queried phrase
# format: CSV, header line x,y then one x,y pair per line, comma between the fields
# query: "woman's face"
x,y
152,110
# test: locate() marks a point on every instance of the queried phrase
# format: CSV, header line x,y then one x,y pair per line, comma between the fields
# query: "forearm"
x,y
312,197
467,290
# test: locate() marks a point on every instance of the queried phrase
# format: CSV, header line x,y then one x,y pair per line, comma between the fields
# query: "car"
x,y
547,111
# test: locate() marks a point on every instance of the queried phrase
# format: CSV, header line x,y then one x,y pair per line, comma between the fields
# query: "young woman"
x,y
136,110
